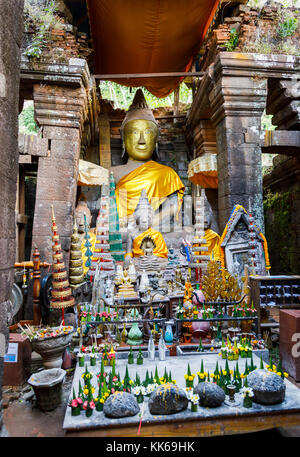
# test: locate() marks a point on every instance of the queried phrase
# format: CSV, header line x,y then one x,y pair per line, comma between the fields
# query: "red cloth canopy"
x,y
148,36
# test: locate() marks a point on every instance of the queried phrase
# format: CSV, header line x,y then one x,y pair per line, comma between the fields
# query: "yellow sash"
x,y
213,244
160,250
159,181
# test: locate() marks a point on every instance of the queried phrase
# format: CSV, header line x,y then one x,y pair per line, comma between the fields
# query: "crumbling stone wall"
x,y
11,30
63,41
257,29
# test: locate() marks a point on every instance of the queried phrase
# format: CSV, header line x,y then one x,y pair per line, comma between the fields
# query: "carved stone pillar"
x,y
205,138
284,102
61,111
11,31
237,102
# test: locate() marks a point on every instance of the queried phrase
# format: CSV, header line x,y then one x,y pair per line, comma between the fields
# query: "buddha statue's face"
x,y
144,220
140,137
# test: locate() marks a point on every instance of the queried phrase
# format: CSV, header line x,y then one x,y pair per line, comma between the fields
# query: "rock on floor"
x,y
121,404
210,394
167,399
268,388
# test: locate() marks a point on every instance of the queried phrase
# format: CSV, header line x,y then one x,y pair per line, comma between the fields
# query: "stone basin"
x,y
47,385
52,348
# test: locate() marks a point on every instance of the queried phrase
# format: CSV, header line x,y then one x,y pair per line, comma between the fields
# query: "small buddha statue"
x,y
119,276
126,288
148,262
144,282
143,230
132,272
139,132
172,257
178,280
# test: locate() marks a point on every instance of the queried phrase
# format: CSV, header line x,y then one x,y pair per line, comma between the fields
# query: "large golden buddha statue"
x,y
139,133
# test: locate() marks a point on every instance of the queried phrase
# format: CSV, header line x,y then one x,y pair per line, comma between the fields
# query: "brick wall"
x,y
257,32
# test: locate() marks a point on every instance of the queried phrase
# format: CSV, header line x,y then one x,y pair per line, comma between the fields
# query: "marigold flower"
x,y
212,349
285,375
101,400
86,391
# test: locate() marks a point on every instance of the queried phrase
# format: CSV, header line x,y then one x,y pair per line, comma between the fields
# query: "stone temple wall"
x,y
260,30
11,30
282,214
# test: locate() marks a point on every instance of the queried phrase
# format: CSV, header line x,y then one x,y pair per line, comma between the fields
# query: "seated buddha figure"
x,y
142,230
139,132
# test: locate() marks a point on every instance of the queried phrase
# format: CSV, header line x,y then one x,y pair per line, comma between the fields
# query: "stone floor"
x,y
23,419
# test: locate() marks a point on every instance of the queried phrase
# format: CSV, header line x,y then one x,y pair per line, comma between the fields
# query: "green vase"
x,y
99,406
76,411
130,359
194,408
140,398
81,361
247,403
93,361
89,412
189,383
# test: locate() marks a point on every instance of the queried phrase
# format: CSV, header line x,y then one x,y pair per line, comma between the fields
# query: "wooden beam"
x,y
285,142
193,74
205,427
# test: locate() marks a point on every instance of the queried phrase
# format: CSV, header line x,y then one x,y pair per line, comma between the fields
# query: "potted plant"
x,y
139,392
248,394
93,357
81,358
194,402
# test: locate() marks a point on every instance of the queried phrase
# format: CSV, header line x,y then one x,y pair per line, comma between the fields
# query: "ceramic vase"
x,y
169,334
